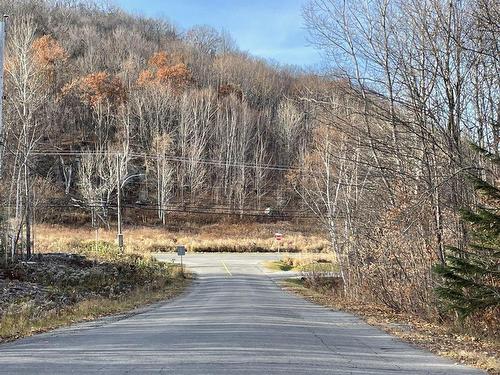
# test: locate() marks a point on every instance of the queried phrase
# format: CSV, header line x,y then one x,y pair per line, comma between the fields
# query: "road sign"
x,y
181,250
279,238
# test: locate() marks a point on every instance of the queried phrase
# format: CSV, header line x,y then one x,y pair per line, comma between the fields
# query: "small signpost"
x,y
279,237
181,251
120,241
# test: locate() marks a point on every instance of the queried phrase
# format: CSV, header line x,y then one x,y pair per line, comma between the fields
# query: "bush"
x,y
102,248
160,248
94,275
330,285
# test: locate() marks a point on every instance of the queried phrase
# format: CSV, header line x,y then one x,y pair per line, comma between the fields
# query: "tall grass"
x,y
211,238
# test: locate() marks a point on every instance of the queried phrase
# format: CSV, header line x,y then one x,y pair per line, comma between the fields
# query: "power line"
x,y
217,163
221,163
188,210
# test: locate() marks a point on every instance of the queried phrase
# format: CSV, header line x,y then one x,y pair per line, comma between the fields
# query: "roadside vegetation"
x,y
467,345
307,263
54,290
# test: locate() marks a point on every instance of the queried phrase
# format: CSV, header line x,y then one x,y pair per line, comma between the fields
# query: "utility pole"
x,y
2,54
3,241
27,210
33,220
119,203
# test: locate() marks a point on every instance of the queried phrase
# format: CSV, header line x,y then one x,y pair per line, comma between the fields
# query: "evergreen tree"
x,y
471,277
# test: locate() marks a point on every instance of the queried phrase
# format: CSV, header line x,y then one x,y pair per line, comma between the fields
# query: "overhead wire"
x,y
190,210
222,163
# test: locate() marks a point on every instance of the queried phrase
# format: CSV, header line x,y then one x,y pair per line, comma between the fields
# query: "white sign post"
x,y
279,238
181,251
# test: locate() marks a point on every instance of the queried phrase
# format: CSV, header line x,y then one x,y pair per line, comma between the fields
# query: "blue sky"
x,y
272,29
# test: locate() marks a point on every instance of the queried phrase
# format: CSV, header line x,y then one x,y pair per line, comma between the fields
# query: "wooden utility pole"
x,y
119,203
27,210
4,241
2,54
33,219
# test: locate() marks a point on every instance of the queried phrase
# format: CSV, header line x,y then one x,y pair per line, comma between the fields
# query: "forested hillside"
x,y
98,101
193,121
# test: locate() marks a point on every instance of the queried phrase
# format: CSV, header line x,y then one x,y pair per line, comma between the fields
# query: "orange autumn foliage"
x,y
97,88
178,74
161,71
228,89
48,52
158,60
145,77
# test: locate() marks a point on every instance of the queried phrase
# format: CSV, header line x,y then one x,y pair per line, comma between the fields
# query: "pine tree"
x,y
471,276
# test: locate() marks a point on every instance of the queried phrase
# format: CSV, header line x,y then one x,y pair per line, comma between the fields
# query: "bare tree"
x,y
165,177
27,93
97,175
196,116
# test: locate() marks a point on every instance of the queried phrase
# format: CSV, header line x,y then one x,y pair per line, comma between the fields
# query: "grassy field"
x,y
28,321
251,237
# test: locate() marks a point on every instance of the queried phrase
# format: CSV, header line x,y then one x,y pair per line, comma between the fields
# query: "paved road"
x,y
234,320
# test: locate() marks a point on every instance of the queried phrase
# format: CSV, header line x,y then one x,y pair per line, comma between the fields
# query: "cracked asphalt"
x,y
234,319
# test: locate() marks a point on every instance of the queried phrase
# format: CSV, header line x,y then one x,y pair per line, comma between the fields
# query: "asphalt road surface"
x,y
233,320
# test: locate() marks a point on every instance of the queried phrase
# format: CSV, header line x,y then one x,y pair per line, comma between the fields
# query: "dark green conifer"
x,y
471,276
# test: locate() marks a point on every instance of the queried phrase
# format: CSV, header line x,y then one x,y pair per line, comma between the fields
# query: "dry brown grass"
x,y
305,262
209,238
